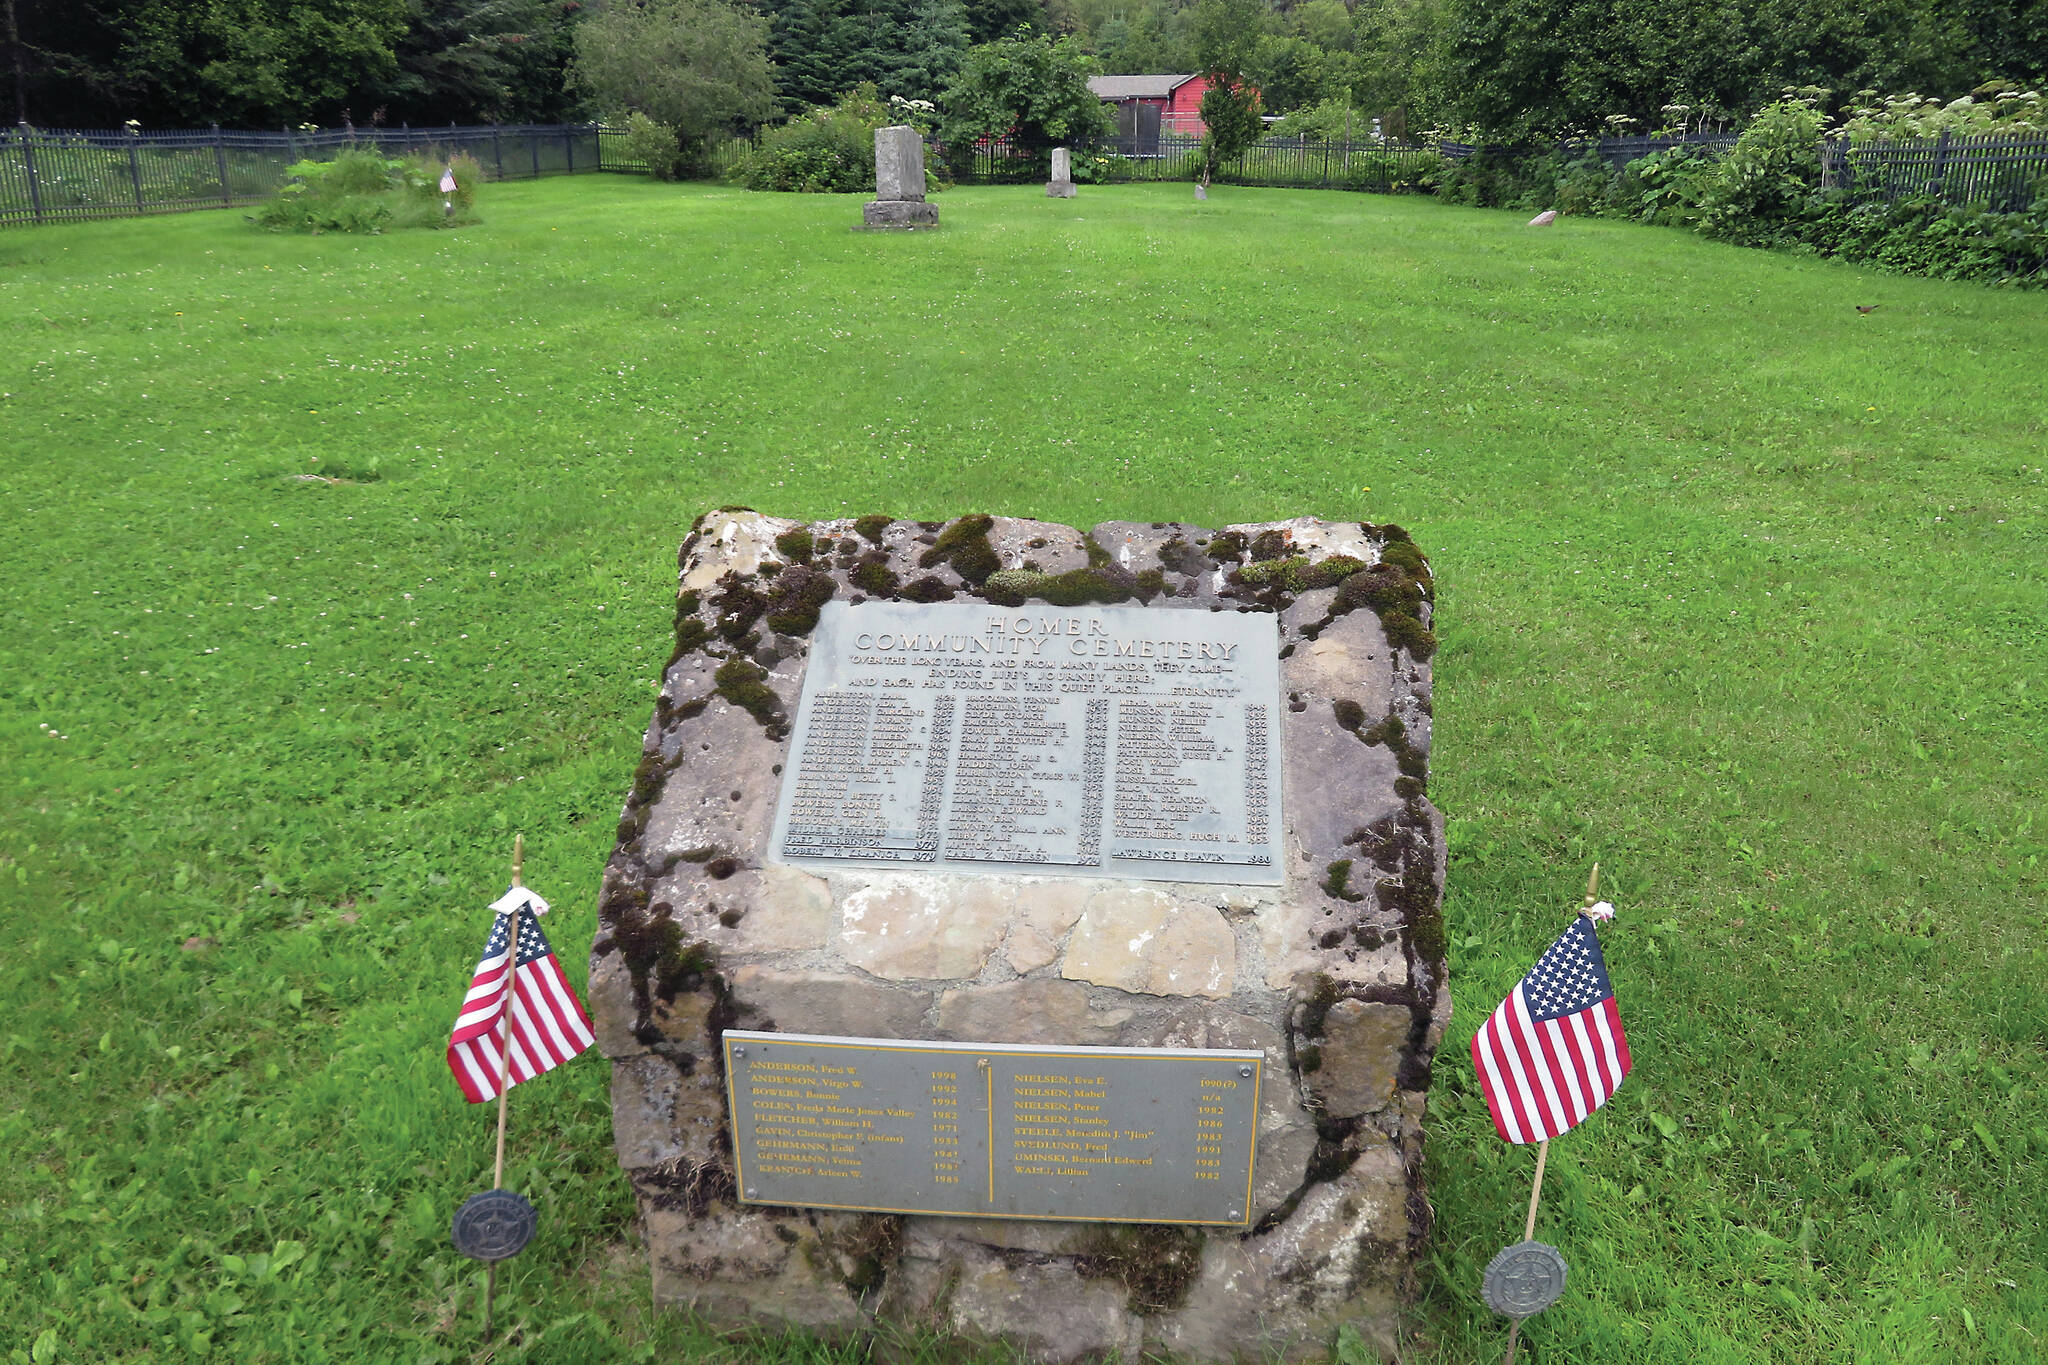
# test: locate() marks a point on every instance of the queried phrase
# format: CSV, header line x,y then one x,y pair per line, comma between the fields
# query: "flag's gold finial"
x,y
1593,887
519,859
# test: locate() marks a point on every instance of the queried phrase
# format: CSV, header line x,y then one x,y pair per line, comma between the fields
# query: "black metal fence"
x,y
58,174
2006,173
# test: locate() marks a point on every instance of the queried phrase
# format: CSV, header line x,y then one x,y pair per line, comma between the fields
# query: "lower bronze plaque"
x,y
1098,1134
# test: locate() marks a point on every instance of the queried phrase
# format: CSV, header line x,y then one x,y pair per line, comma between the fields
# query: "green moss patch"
x,y
742,682
795,546
1077,587
796,599
965,546
873,575
870,528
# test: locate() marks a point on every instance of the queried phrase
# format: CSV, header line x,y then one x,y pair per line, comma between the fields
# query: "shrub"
x,y
827,151
653,146
361,190
1767,177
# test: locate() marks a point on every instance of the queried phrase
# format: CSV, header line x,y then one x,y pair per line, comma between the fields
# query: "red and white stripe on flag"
x,y
1553,1052
547,1022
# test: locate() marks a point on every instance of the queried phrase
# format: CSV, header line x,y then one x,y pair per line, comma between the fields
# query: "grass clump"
x,y
362,190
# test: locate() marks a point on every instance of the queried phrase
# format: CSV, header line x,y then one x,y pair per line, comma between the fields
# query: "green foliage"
x,y
363,191
1528,69
699,66
1997,107
652,146
828,151
1030,88
907,49
1226,46
1767,176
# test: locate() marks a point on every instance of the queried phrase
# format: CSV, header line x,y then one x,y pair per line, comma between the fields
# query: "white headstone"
x,y
899,163
1061,186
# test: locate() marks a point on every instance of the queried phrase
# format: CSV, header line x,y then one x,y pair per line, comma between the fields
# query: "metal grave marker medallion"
x,y
1524,1279
1127,742
982,1130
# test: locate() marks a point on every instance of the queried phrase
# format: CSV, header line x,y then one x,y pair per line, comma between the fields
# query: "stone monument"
x,y
899,182
1061,186
1033,934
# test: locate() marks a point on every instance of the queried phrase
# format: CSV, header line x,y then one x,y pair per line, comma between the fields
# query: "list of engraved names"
x,y
961,1128
1109,741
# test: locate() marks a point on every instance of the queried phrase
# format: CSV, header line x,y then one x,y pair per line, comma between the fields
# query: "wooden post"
x,y
135,166
1940,163
28,164
220,163
505,1063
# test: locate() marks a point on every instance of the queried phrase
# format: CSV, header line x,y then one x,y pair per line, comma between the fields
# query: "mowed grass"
x,y
1742,594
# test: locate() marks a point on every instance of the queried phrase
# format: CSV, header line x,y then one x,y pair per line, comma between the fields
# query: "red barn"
x,y
1146,106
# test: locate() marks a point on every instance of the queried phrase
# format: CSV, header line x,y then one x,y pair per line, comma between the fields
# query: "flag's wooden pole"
x,y
505,1062
1543,1148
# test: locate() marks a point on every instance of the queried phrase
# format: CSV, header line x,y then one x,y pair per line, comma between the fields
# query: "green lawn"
x,y
1742,593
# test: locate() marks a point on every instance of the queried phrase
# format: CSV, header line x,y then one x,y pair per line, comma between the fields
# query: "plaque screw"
x,y
1234,1213
981,1062
1245,1071
739,1052
750,1195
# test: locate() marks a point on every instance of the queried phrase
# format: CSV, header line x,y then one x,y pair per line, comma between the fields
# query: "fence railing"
x,y
55,175
62,174
2006,173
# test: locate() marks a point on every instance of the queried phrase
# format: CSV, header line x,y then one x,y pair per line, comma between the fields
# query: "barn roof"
x,y
1135,87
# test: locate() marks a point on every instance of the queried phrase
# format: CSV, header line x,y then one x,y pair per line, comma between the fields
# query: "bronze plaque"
x,y
980,1130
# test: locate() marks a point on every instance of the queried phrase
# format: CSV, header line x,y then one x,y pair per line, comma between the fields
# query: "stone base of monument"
x,y
899,213
1100,683
1060,189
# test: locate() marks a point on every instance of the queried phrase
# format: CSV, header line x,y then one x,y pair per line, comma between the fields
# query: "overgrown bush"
x,y
1764,181
827,151
653,146
362,190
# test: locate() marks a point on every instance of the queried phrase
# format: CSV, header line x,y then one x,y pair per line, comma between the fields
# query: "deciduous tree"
x,y
699,66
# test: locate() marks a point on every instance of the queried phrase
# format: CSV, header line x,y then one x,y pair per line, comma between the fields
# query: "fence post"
x,y
498,151
1940,163
569,149
533,146
28,163
220,163
135,165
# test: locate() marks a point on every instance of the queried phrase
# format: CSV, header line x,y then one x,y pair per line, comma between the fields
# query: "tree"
x,y
472,60
700,66
988,20
824,48
1227,34
1029,88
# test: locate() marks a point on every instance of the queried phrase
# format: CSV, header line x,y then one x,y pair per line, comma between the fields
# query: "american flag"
x,y
548,1023
1554,1051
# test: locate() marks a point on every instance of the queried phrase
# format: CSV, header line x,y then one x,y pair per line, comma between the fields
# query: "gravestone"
x,y
1033,934
899,182
1061,186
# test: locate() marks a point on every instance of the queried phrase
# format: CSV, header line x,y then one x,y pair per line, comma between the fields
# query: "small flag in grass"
x,y
547,1023
1554,1050
448,181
